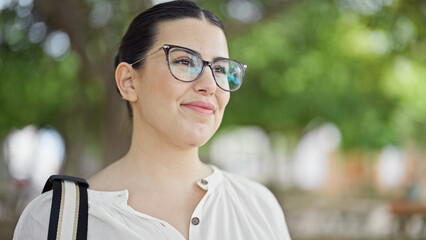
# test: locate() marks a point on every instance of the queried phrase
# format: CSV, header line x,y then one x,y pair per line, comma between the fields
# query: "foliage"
x,y
316,61
307,61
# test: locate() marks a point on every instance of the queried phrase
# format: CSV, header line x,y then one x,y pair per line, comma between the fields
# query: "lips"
x,y
200,107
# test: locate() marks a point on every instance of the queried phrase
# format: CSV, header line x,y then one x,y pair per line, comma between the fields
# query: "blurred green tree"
x,y
318,61
360,67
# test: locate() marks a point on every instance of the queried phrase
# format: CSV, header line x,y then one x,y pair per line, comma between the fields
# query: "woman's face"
x,y
185,114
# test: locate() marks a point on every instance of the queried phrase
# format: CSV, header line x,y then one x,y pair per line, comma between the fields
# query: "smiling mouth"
x,y
201,107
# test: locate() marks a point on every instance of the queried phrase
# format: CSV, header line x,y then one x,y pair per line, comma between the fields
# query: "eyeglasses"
x,y
187,65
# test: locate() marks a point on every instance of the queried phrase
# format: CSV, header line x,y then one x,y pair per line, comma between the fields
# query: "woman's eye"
x,y
220,70
184,61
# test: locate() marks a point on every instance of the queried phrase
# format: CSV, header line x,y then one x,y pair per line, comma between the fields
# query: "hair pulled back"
x,y
143,30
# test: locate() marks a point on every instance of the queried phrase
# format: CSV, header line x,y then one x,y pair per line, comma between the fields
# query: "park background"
x,y
331,115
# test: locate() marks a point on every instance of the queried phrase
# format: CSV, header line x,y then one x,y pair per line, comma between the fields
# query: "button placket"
x,y
195,221
208,184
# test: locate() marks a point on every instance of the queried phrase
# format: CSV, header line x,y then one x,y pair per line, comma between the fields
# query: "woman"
x,y
173,70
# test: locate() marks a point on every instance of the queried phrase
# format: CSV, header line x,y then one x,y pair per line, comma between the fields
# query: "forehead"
x,y
199,35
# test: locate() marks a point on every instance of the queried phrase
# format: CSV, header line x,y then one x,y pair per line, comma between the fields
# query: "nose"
x,y
206,83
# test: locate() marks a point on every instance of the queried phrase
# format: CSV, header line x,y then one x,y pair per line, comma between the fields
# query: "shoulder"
x,y
108,179
255,201
34,220
247,187
252,194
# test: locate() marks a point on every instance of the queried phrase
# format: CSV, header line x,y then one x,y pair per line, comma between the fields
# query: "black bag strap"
x,y
61,187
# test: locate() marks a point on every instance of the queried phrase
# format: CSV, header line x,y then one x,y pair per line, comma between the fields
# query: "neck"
x,y
152,156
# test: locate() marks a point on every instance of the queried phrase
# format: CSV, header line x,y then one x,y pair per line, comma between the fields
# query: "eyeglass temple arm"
x,y
152,53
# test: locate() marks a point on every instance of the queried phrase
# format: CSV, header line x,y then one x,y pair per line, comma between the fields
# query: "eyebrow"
x,y
214,59
217,58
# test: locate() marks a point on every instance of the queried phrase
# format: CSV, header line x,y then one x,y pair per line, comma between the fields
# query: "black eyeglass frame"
x,y
168,47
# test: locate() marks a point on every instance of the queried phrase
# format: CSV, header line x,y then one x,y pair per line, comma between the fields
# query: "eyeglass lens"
x,y
187,66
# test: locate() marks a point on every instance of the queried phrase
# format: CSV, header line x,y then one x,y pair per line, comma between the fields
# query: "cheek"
x,y
157,87
223,100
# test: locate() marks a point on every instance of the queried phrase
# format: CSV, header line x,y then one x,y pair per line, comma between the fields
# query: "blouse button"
x,y
204,182
195,220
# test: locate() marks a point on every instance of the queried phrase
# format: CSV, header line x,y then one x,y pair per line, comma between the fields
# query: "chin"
x,y
194,145
198,141
197,137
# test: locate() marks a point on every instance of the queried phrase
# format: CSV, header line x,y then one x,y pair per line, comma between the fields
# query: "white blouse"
x,y
234,208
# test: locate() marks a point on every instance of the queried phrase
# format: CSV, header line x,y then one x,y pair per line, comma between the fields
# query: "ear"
x,y
124,74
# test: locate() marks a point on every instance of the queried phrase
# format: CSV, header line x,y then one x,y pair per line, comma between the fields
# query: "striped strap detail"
x,y
69,212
